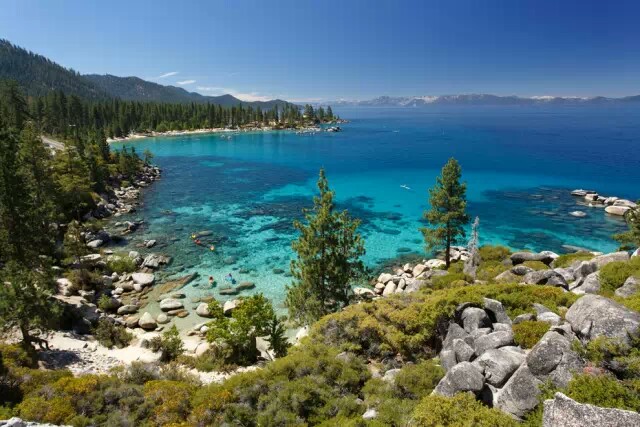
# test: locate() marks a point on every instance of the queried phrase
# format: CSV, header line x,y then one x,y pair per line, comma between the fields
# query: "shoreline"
x,y
207,131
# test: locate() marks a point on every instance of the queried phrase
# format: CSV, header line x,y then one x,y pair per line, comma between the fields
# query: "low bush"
x,y
407,324
494,253
614,274
566,260
461,410
450,280
169,344
83,279
612,354
536,265
604,391
121,264
632,302
171,401
56,410
110,334
488,270
527,334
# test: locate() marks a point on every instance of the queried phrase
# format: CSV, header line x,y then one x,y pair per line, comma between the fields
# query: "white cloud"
x,y
186,82
165,75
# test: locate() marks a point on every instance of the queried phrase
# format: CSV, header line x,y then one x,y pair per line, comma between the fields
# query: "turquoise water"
x,y
520,164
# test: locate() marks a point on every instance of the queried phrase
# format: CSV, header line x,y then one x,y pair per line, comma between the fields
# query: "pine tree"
x,y
447,216
328,262
26,300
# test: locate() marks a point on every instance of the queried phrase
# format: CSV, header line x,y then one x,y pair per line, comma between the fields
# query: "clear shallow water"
x,y
520,164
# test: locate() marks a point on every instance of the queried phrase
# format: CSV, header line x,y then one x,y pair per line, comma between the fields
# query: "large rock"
x,y
389,289
454,332
544,277
147,322
508,277
418,270
520,393
630,287
625,202
464,376
593,315
552,359
605,259
128,309
229,306
589,285
617,210
464,352
584,268
496,311
499,364
143,279
545,257
384,278
203,310
562,411
154,261
493,340
171,304
474,318
435,263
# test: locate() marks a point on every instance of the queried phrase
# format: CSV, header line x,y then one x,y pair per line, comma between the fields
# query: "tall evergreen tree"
x,y
447,216
26,301
328,259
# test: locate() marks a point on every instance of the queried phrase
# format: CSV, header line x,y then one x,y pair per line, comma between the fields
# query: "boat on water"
x,y
405,186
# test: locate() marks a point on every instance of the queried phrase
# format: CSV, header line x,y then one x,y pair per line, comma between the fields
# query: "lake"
x,y
520,164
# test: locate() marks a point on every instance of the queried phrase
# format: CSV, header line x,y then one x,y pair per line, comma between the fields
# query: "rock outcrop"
x,y
562,411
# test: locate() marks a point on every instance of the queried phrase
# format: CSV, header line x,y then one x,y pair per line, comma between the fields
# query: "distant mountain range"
x,y
482,99
38,75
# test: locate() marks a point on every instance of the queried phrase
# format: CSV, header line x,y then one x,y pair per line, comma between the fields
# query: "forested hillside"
x,y
38,76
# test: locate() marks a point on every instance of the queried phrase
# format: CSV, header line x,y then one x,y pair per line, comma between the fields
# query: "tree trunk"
x,y
26,338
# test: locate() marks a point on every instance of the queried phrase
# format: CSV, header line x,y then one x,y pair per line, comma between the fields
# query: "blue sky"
x,y
327,50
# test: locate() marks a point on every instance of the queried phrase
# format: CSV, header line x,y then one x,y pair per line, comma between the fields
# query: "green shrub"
x,y
56,410
614,274
253,317
604,391
494,253
406,324
121,264
110,334
632,302
565,260
418,380
84,279
527,334
613,354
171,401
6,413
461,410
488,270
169,344
536,265
450,280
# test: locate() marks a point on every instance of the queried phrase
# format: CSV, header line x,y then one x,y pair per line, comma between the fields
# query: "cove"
x,y
520,164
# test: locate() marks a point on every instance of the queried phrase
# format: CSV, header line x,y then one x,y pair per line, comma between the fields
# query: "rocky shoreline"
x,y
611,204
